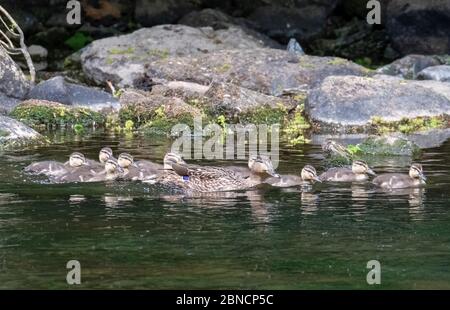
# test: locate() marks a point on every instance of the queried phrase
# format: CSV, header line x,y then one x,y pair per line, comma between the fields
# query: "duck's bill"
x,y
371,172
423,177
272,173
316,178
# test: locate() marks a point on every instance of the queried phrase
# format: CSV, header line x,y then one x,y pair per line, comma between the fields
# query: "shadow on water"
x,y
133,235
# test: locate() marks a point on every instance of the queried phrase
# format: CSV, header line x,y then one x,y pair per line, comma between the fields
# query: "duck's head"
x,y
77,159
112,166
416,172
125,160
105,154
261,164
172,158
333,147
309,174
361,167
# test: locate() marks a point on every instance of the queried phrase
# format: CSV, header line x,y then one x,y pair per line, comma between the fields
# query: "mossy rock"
x,y
408,125
387,146
38,113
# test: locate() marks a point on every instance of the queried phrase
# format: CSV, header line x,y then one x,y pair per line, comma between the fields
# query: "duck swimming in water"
x,y
79,170
307,177
414,178
358,172
130,170
215,179
54,169
112,171
333,148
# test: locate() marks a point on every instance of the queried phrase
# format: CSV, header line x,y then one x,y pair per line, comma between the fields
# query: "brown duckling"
x,y
307,176
358,172
414,178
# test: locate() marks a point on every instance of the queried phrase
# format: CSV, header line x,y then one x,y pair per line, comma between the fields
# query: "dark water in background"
x,y
131,235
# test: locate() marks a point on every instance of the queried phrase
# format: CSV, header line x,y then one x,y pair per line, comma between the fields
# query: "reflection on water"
x,y
134,235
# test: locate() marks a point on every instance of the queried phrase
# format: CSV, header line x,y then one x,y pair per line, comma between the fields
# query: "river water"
x,y
132,235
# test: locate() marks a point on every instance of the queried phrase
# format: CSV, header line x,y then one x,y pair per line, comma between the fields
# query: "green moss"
x,y
336,61
385,146
295,127
265,115
117,51
162,54
407,125
223,68
162,125
56,116
4,133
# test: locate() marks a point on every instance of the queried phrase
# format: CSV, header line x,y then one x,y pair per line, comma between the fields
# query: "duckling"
x,y
307,176
414,178
79,170
331,147
358,172
55,169
130,170
104,154
151,169
257,164
112,171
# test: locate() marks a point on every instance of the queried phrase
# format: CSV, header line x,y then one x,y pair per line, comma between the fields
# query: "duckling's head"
x,y
125,160
333,147
77,159
309,174
172,158
112,165
361,167
416,172
261,164
105,154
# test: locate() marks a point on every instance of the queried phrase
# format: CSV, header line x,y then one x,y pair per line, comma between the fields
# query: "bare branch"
x,y
13,29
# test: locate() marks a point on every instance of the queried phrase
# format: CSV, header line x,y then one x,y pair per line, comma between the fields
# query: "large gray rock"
x,y
437,73
14,134
353,101
417,26
13,82
7,104
122,59
409,66
58,90
270,71
230,99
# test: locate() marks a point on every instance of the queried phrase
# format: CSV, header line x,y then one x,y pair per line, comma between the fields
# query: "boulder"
x,y
7,104
123,58
417,26
437,73
353,101
269,71
142,106
409,66
14,134
58,90
232,100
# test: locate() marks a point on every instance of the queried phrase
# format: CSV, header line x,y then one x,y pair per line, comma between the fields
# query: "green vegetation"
x,y
295,127
56,116
407,125
117,51
78,41
162,54
223,68
265,115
